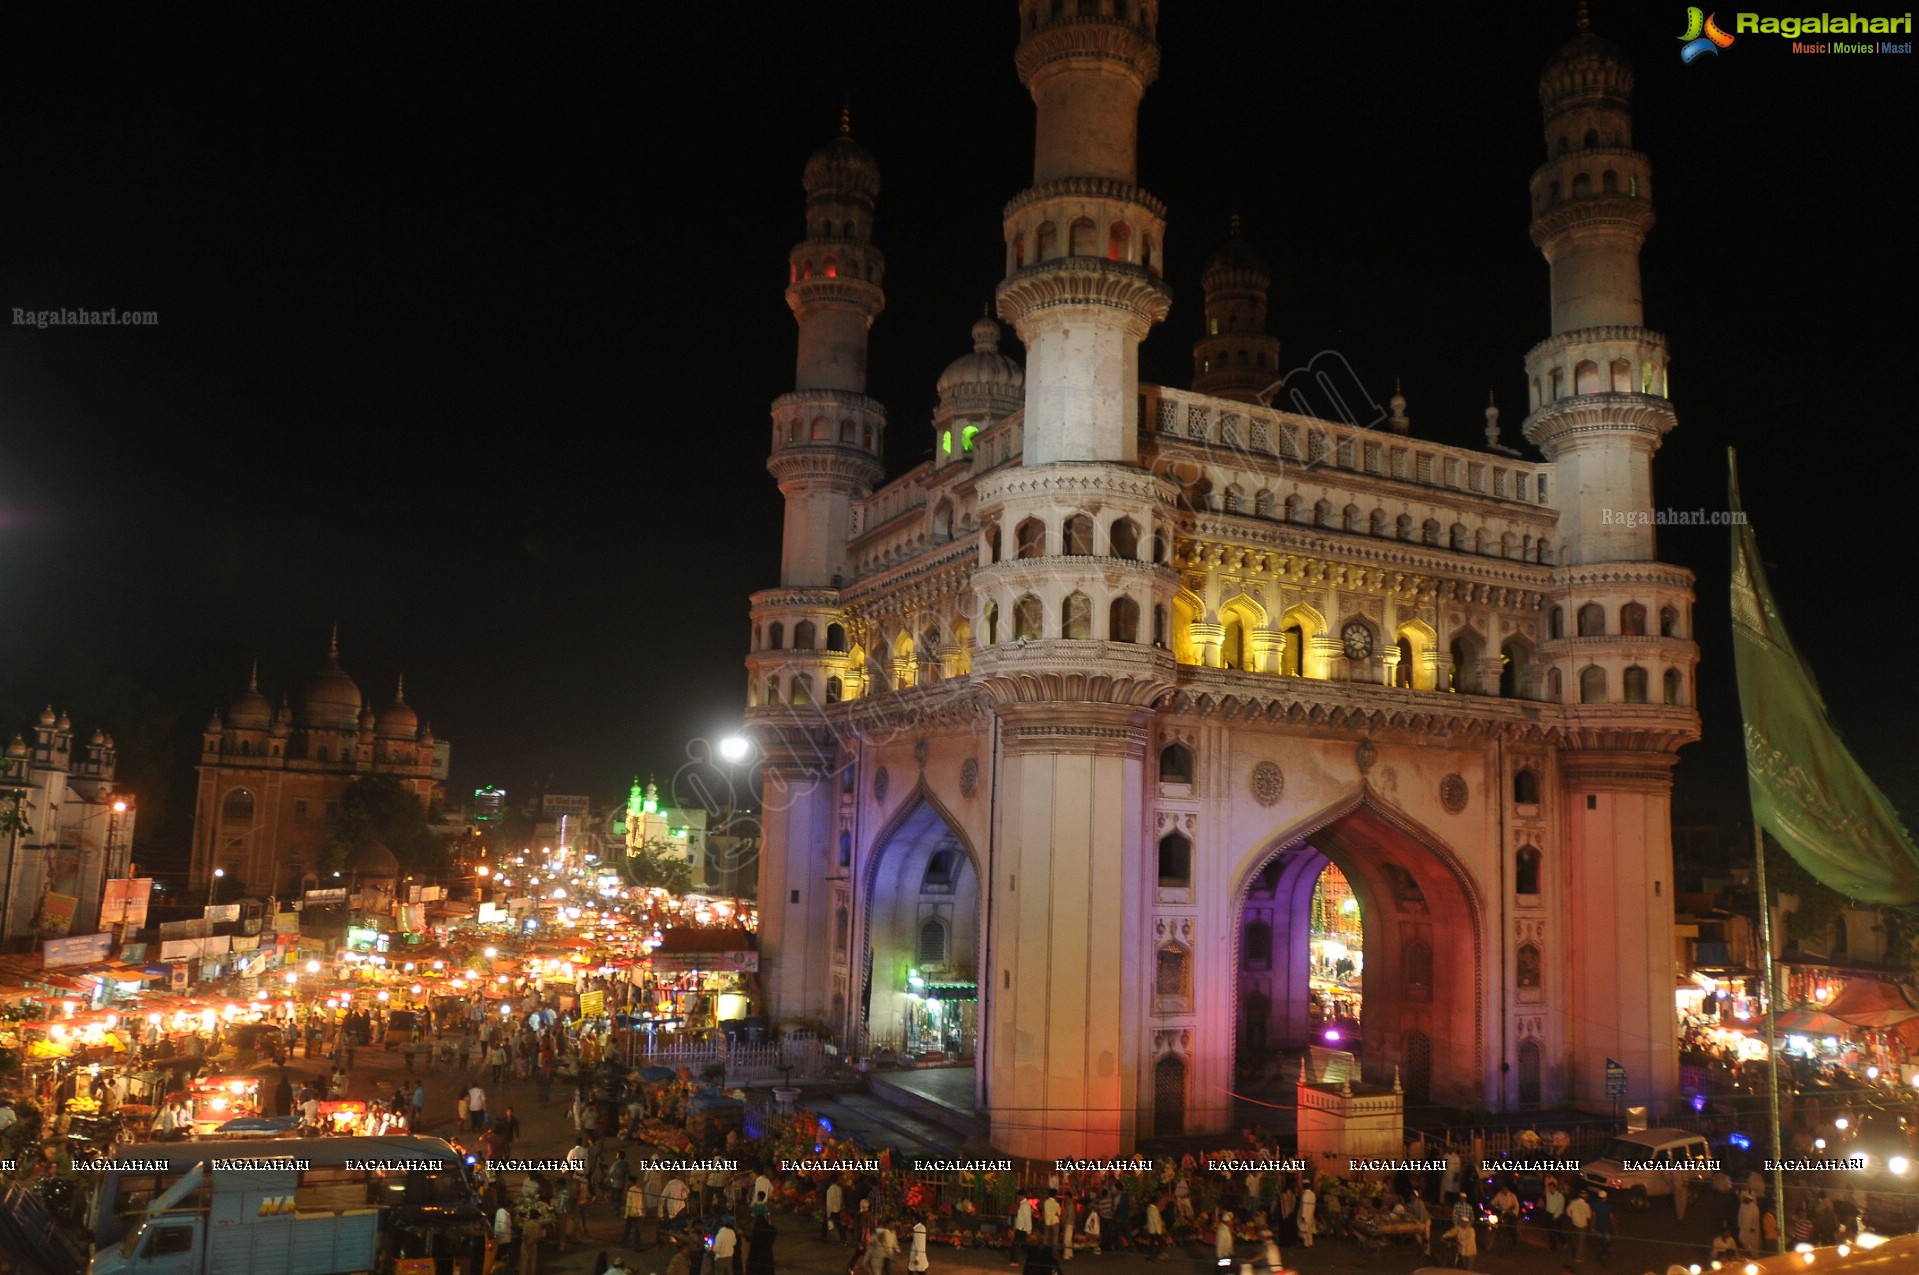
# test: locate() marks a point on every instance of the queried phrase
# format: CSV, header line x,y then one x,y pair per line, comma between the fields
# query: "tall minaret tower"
x,y
1237,358
1084,242
1619,630
1074,574
827,438
1598,384
827,434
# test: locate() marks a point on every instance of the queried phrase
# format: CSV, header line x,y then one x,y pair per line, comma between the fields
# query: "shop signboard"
x,y
286,923
715,962
181,977
490,913
186,949
218,912
125,902
593,1002
82,949
195,928
556,806
323,898
133,953
56,914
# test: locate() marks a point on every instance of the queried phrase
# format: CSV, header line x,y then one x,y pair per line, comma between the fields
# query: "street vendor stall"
x,y
217,1099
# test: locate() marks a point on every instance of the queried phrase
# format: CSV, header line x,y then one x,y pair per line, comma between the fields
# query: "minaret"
x,y
827,433
1598,384
1083,242
1237,358
1618,637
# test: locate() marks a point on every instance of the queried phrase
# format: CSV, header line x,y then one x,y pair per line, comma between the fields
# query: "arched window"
x,y
1030,536
1256,947
1609,182
1556,623
1465,653
1458,538
776,636
1029,619
1119,242
1172,978
1124,539
1582,185
1079,238
1019,251
1076,536
1592,685
1403,527
1515,669
1403,671
1634,685
1175,861
804,635
1632,620
1292,659
1232,643
932,948
803,689
943,511
1159,627
1122,620
1169,1097
941,872
772,692
1046,242
1671,681
1526,786
1263,503
326,754
238,807
1418,966
1668,622
1323,513
1429,531
1353,519
1176,764
1233,501
992,542
834,689
1526,967
1526,871
846,838
991,619
1076,617
836,637
842,930
1291,507
1555,686
1378,525
1592,620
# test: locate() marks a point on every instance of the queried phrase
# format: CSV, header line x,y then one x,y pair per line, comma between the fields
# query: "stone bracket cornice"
x,y
1074,282
920,580
1080,673
838,465
795,597
1077,480
1614,212
1644,415
1065,39
1368,709
1084,188
1612,575
1388,567
838,400
841,291
1607,334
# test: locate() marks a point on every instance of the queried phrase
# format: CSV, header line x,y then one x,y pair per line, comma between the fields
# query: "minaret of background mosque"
x,y
1599,410
826,448
1072,570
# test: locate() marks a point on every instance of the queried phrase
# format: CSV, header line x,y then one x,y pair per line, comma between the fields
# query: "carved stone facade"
x,y
1150,659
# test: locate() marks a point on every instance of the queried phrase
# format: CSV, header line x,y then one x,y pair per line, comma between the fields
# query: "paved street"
x,y
1649,1242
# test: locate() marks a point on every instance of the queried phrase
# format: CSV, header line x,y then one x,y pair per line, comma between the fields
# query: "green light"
x,y
966,437
946,442
651,806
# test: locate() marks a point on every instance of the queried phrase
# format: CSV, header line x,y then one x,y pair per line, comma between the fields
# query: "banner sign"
x,y
83,949
218,912
126,901
323,897
187,949
56,914
185,929
682,962
593,1002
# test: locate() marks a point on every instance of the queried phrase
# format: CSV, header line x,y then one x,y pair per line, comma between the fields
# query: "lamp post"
x,y
213,884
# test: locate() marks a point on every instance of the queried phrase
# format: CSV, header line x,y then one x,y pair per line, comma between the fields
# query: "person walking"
x,y
1579,1216
531,1233
1748,1224
1155,1230
1602,1225
830,1212
916,1256
476,1106
1049,1213
1308,1206
1465,1241
1555,1210
726,1247
636,1215
418,1121
1223,1243
1022,1230
496,1059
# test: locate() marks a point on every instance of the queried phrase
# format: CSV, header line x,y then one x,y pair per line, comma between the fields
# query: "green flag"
x,y
1807,790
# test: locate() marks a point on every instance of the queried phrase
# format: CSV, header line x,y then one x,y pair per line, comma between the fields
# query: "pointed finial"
x,y
1302,1071
1396,1085
1492,421
1585,18
1233,224
846,117
333,643
399,692
253,678
1346,1087
1399,421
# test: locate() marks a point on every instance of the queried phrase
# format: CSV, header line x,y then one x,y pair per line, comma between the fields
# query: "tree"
x,y
658,863
378,808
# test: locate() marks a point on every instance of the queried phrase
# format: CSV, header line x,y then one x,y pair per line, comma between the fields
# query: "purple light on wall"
x,y
1332,1033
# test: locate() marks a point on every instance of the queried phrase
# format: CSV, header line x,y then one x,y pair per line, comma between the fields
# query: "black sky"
x,y
469,318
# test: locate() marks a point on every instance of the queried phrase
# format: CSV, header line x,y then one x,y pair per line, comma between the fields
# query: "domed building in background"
x,y
269,779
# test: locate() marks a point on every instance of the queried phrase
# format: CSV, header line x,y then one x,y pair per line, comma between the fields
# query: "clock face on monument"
x,y
1358,640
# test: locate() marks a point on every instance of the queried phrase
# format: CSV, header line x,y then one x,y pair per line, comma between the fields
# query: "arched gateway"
x,y
1419,986
920,936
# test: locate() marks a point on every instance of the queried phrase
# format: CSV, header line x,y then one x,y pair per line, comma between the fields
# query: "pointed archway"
x,y
1424,944
921,930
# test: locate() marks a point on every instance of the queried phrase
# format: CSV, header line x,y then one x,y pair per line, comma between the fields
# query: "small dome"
x,y
371,860
249,710
842,165
330,699
18,747
46,716
1587,70
398,720
985,369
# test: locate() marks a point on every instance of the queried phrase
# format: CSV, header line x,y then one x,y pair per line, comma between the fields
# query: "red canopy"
x,y
1869,1003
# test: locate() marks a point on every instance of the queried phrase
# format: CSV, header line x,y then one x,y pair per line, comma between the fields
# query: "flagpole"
x,y
1772,1036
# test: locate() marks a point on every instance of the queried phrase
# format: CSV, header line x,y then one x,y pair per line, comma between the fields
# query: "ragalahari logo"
x,y
1702,35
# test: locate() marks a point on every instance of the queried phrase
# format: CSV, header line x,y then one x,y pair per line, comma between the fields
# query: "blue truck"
x,y
287,1206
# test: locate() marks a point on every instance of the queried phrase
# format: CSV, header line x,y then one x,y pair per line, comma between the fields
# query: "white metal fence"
x,y
745,1064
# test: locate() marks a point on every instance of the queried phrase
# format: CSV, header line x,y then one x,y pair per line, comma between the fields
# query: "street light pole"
x,y
213,884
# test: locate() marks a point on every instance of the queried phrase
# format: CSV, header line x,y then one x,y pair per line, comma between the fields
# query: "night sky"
x,y
469,319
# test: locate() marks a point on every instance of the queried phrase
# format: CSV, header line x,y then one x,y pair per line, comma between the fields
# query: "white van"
x,y
1638,1166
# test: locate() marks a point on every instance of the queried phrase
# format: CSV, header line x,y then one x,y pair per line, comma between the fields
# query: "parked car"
x,y
1639,1166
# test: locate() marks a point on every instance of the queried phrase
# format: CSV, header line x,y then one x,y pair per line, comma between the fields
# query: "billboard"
x,y
555,806
83,949
126,902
